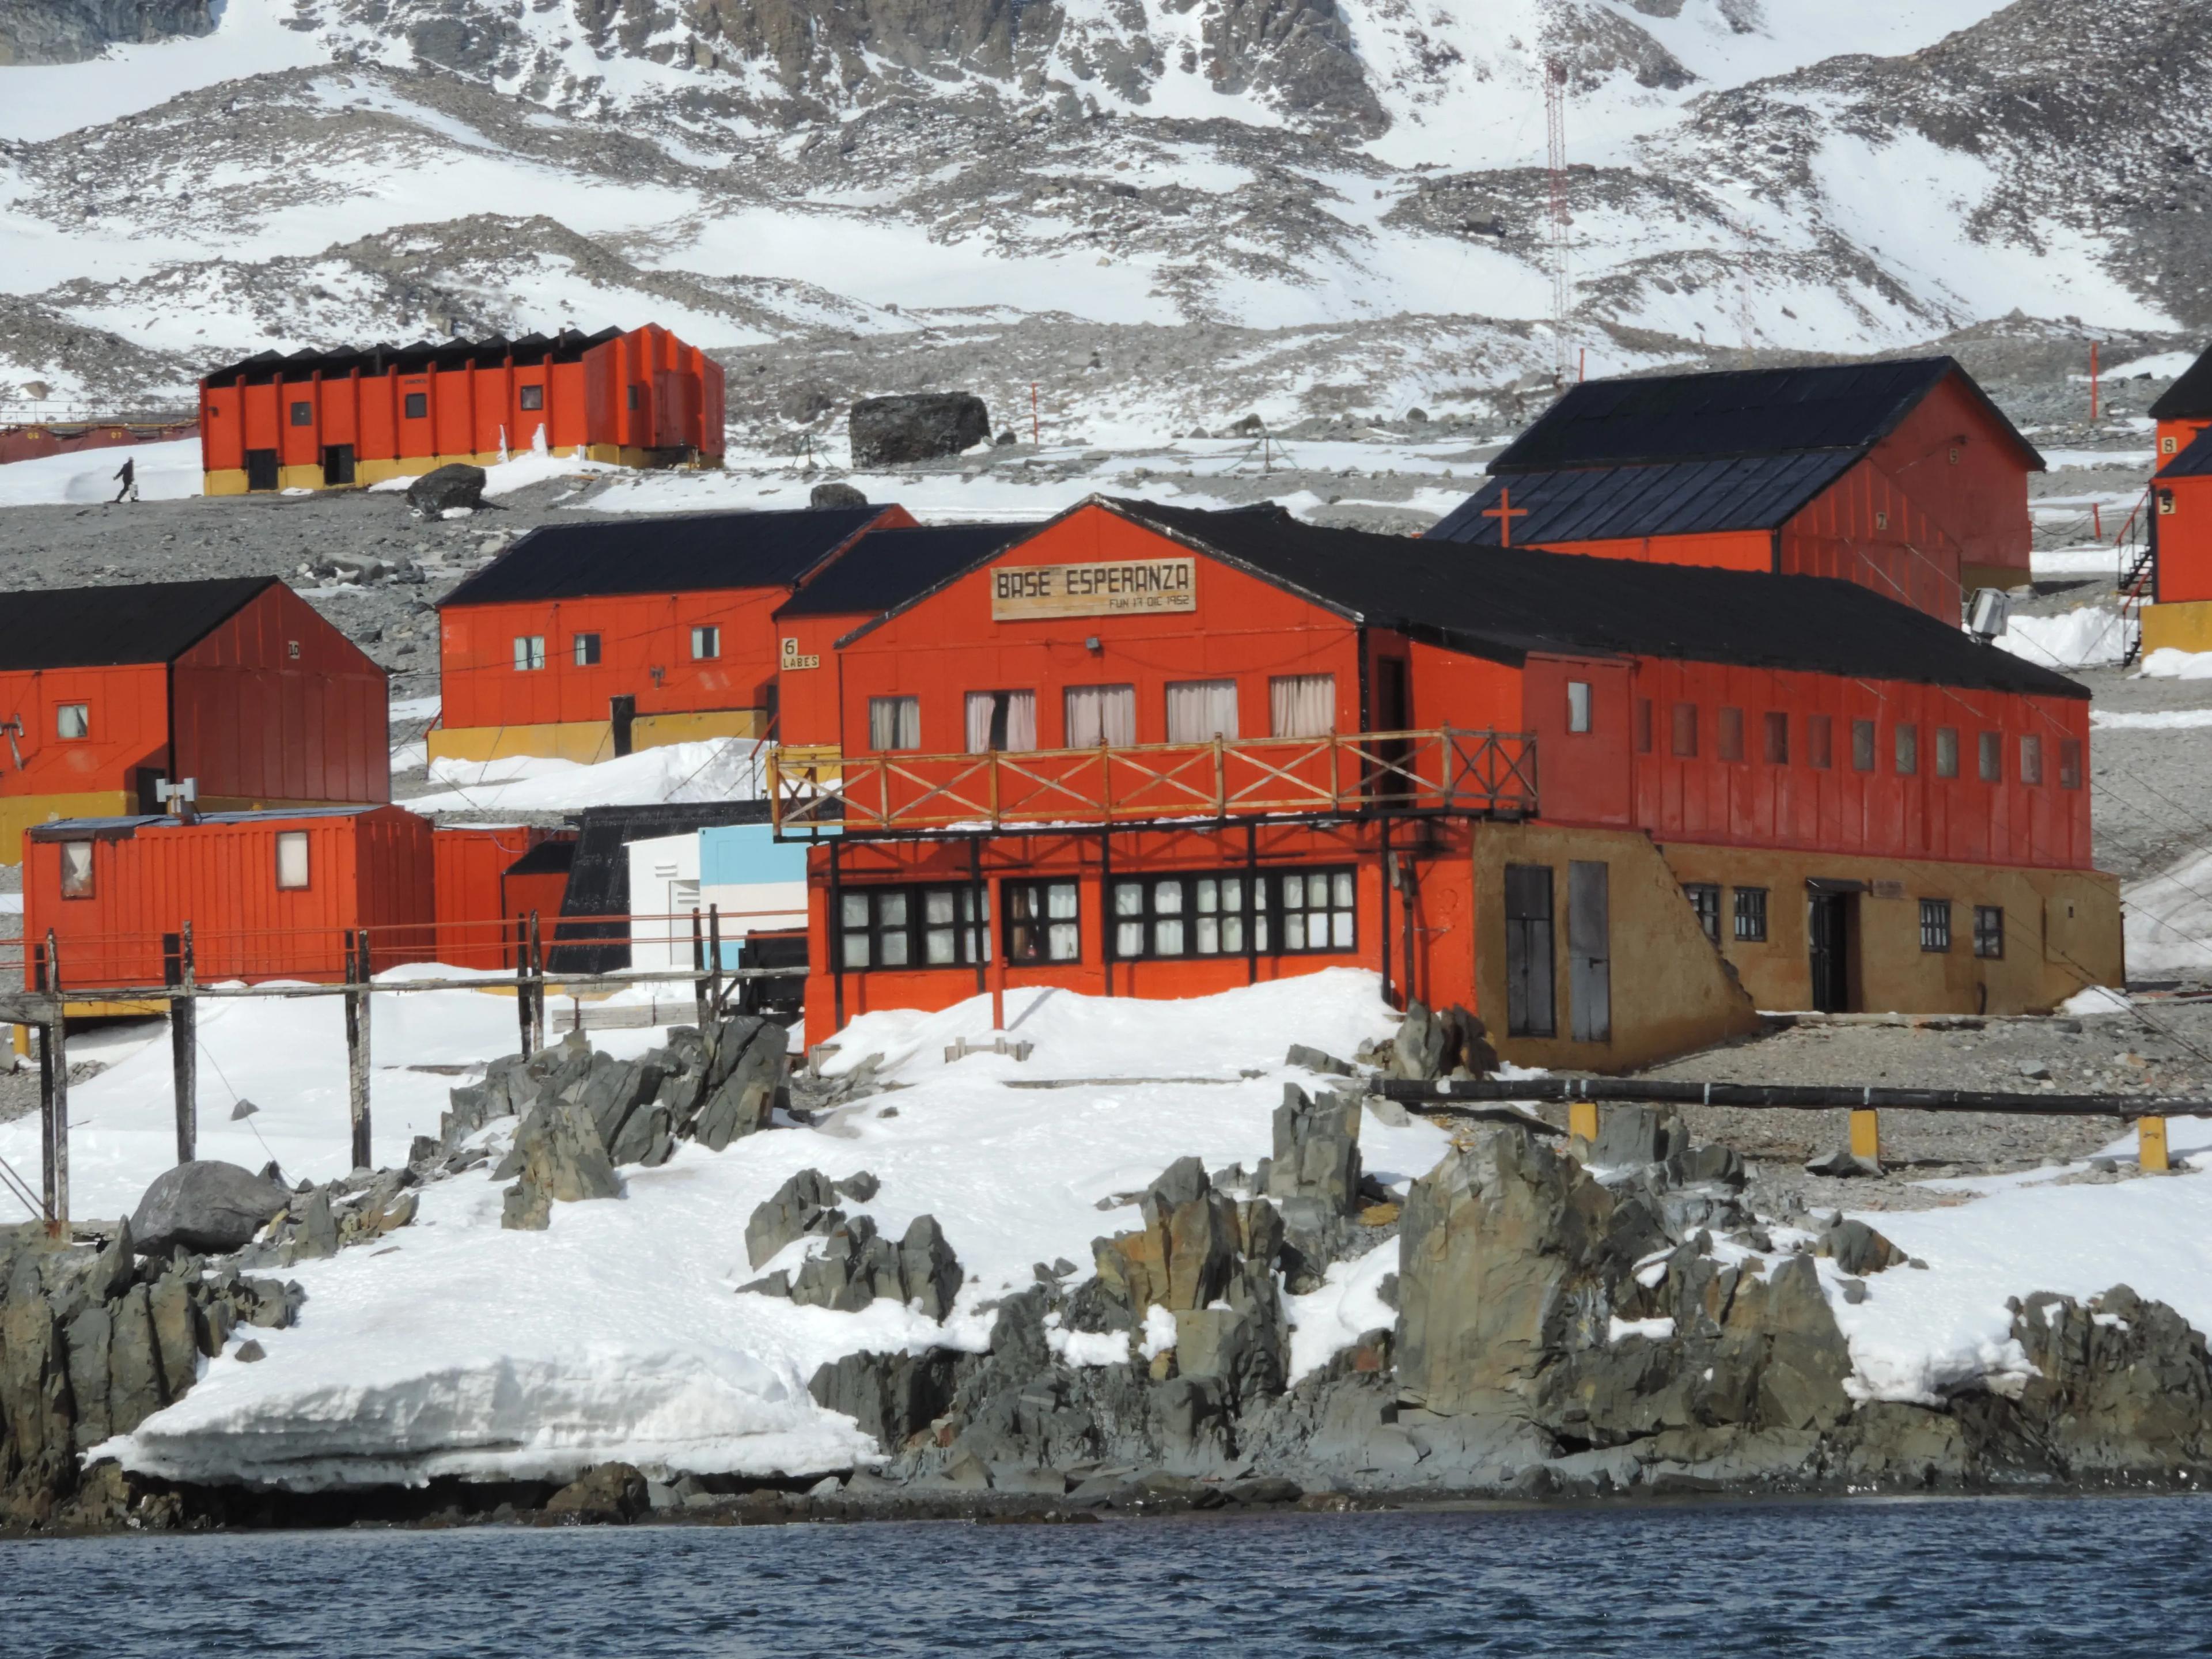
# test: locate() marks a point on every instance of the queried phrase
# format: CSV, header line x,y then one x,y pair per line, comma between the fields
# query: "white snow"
x,y
1348,1304
616,1333
2170,663
166,472
2096,999
2168,918
2080,638
2160,366
2157,720
712,768
11,904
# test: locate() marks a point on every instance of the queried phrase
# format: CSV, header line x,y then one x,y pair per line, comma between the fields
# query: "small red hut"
x,y
268,894
1902,477
325,419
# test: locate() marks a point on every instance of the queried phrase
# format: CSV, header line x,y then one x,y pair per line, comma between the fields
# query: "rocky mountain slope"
x,y
1340,176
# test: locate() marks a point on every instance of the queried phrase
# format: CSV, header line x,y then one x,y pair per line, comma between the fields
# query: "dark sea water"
x,y
2102,1576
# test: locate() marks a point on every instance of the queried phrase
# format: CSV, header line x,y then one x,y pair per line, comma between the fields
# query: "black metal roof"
x,y
1759,411
101,627
886,568
2190,397
548,858
127,827
664,553
1672,498
264,367
2195,460
1503,603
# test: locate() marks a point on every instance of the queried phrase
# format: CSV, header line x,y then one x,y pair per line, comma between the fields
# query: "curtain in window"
x,y
1004,721
893,723
1302,705
1101,714
1201,709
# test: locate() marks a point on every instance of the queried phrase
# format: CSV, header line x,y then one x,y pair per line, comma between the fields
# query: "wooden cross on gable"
x,y
1505,512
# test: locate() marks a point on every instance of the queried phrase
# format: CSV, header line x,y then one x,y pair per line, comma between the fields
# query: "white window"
x,y
529,652
72,721
705,644
1578,706
1101,714
587,650
291,859
76,869
1199,710
1001,720
893,723
1302,705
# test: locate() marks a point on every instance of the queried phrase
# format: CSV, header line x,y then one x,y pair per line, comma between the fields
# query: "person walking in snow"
x,y
128,473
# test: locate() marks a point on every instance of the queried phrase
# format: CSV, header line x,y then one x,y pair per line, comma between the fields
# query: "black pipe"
x,y
1438,1095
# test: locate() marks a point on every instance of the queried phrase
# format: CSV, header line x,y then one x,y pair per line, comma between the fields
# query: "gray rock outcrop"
x,y
207,1206
562,1160
456,486
604,1494
858,1265
916,426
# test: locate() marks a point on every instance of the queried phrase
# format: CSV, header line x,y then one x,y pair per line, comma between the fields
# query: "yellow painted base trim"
x,y
2186,626
301,477
21,813
232,481
114,1010
658,731
1866,1136
586,741
2150,1146
228,481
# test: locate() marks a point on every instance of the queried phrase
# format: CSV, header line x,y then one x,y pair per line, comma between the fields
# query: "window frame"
x,y
1262,916
1645,721
1682,740
1274,680
1775,737
529,653
83,884
1989,932
2069,763
971,932
1989,757
1019,916
1704,901
1935,926
2030,759
1947,751
1210,682
302,412
706,641
1104,694
415,406
1820,742
1862,746
291,839
1904,749
585,649
530,395
899,706
1750,910
1578,706
83,713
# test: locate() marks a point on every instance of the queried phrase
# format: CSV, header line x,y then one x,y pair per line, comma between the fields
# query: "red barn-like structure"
x,y
325,420
238,684
1159,752
268,894
1901,477
585,642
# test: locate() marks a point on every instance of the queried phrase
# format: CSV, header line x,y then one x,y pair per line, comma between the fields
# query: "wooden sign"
x,y
1111,589
792,660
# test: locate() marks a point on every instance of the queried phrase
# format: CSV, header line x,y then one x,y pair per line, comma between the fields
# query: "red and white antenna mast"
x,y
1555,164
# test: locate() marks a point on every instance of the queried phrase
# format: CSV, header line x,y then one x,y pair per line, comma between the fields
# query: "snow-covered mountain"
x,y
1768,174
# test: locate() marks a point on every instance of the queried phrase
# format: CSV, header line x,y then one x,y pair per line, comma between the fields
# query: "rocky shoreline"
x,y
1566,1322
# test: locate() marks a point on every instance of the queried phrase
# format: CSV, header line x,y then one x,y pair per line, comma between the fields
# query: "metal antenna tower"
x,y
1555,164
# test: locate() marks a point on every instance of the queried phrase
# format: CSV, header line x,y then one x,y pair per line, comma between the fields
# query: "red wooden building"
x,y
2183,409
1159,752
237,683
1901,477
268,894
321,420
588,640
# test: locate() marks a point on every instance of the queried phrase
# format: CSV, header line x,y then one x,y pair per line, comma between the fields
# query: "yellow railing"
x,y
1490,774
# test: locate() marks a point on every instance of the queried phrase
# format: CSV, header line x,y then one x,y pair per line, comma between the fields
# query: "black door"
x,y
1529,950
621,713
338,464
261,469
1589,953
1829,927
1393,712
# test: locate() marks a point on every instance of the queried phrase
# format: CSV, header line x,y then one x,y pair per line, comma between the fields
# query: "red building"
x,y
268,894
1159,752
237,683
2183,409
1901,477
586,641
478,894
322,420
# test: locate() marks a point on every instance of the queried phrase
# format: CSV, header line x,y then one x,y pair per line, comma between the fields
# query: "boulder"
x,y
1857,1248
2117,1384
562,1155
892,1396
604,1494
859,1265
803,1204
835,495
1316,1148
1629,1137
457,485
930,1275
1841,1164
206,1206
1430,1044
922,426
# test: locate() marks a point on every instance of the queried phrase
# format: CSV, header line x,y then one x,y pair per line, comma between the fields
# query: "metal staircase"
x,y
2137,579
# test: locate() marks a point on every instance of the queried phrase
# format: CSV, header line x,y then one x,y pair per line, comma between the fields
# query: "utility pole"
x,y
2092,383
